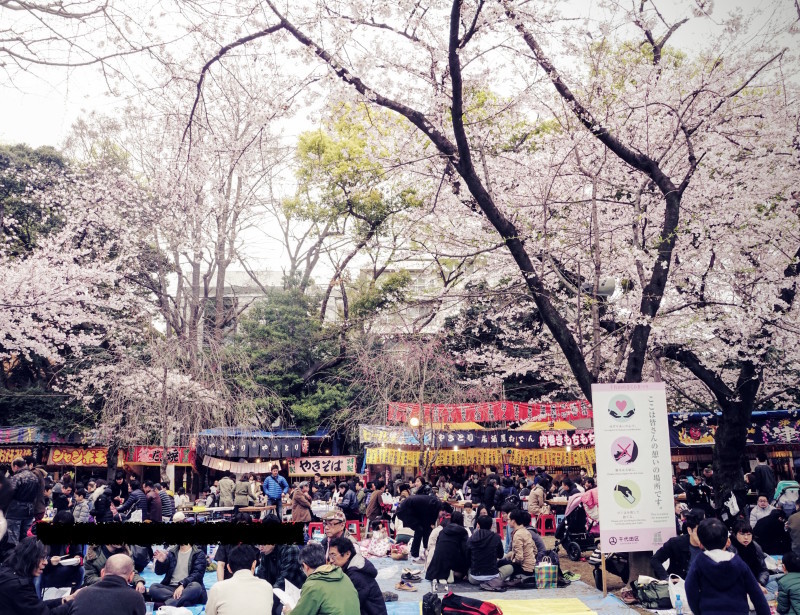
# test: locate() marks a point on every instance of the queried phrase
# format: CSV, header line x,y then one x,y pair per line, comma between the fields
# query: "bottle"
x,y
678,605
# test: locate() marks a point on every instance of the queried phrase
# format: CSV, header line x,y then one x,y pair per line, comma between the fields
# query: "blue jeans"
x,y
772,586
194,593
18,529
278,504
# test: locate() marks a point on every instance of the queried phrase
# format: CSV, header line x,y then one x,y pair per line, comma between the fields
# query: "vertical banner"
x,y
634,473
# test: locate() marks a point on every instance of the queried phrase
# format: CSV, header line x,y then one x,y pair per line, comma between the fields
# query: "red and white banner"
x,y
485,412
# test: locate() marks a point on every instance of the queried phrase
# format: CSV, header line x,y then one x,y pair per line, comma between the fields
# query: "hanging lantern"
x,y
304,446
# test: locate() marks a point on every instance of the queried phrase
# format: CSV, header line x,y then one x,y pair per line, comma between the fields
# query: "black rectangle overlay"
x,y
222,532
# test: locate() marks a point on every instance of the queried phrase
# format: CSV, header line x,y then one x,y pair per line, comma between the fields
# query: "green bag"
x,y
653,595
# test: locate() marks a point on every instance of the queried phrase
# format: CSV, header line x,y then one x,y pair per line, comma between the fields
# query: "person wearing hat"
x,y
335,526
301,504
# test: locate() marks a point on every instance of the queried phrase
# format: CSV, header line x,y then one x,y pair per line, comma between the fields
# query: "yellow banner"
x,y
443,457
583,457
68,456
7,455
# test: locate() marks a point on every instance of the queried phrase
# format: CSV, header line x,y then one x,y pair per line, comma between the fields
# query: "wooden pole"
x,y
603,571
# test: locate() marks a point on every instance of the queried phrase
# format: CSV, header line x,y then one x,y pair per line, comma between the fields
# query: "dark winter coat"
x,y
476,491
362,573
102,507
197,567
754,557
349,503
137,500
771,534
96,560
722,588
484,548
18,597
282,565
419,510
450,553
488,496
154,507
109,595
678,551
764,480
26,488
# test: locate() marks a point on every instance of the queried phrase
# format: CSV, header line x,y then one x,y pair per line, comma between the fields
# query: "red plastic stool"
x,y
354,527
543,527
501,527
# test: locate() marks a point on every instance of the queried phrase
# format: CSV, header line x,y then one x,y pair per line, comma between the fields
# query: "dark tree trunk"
x,y
111,463
729,449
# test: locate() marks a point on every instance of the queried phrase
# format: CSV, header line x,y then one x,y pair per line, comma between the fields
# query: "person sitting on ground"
x,y
64,562
762,509
243,593
522,558
327,589
771,535
378,544
681,550
748,549
335,526
442,522
223,550
183,567
301,504
279,564
18,595
484,549
789,586
112,593
719,582
95,561
362,573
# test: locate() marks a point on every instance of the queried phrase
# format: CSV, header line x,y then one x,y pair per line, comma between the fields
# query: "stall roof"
x,y
543,426
249,432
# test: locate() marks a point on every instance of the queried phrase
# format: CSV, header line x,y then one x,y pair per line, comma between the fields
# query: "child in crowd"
x,y
469,515
789,586
719,582
379,543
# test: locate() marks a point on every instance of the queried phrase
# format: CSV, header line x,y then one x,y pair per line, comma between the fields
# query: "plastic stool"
x,y
354,527
501,527
545,528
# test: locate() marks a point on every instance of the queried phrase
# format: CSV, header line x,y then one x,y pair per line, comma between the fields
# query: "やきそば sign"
x,y
325,466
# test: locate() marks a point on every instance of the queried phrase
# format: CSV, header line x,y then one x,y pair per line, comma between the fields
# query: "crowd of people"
x,y
451,526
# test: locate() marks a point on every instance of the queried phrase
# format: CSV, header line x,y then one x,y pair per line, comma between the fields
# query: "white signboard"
x,y
634,473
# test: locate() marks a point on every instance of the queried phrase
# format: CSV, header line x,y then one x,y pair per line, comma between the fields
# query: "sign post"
x,y
634,470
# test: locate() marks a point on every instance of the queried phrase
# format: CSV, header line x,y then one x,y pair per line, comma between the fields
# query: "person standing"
x,y
275,486
136,503
26,488
226,489
120,488
154,507
112,593
167,503
241,493
419,513
301,504
244,593
374,510
763,477
81,509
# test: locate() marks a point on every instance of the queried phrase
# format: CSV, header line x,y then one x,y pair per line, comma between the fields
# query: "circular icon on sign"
x,y
612,540
624,450
627,494
621,407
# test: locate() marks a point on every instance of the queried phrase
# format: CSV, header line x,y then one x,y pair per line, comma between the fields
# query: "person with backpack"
x,y
484,549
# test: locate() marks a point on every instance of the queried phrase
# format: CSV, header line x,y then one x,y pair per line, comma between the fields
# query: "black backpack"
x,y
431,604
512,500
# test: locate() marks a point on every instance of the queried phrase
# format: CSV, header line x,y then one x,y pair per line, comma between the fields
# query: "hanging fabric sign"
x,y
486,412
324,466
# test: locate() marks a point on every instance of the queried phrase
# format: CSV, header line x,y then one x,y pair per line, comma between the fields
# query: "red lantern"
x,y
304,446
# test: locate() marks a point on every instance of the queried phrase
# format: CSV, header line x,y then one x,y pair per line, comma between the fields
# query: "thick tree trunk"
x,y
111,461
729,447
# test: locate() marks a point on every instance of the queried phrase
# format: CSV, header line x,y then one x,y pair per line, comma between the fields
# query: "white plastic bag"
x,y
676,588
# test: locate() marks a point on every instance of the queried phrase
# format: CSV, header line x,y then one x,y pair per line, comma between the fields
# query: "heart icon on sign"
x,y
621,405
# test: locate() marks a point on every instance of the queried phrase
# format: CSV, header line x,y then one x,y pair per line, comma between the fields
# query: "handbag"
x,y
653,594
453,604
546,574
676,588
431,604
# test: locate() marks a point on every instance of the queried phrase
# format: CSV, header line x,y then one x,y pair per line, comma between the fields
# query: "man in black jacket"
x,y
26,490
136,501
680,550
183,568
419,512
484,548
113,593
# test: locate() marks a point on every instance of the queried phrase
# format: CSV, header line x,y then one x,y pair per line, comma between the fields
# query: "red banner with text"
x,y
486,412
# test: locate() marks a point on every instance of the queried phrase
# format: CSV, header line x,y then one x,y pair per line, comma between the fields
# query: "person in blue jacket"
x,y
275,485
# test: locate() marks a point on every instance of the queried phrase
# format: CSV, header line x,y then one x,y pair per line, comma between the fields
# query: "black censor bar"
x,y
170,533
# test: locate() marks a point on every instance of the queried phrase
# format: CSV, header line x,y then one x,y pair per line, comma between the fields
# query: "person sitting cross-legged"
x,y
112,593
522,558
485,548
244,593
183,567
362,574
